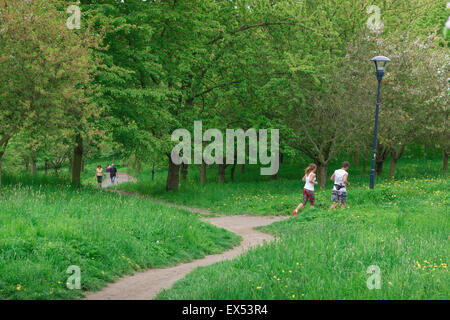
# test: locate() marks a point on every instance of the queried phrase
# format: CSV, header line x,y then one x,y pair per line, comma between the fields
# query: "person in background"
x,y
113,173
308,191
99,175
339,193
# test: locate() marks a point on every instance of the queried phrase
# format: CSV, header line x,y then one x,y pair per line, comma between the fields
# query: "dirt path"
x,y
147,284
120,178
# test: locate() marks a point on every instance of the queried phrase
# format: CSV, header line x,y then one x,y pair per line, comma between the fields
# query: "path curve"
x,y
147,284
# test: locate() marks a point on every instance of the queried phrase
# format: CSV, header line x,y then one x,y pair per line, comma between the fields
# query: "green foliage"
x,y
256,195
401,226
46,228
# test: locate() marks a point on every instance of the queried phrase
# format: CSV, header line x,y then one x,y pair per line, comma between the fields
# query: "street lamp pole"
x,y
380,64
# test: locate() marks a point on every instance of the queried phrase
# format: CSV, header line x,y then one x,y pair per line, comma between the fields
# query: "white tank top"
x,y
339,179
309,185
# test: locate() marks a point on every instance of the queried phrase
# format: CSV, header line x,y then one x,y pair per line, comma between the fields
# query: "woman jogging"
x,y
308,191
99,175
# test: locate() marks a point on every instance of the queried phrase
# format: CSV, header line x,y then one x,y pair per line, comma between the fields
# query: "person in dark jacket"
x,y
113,173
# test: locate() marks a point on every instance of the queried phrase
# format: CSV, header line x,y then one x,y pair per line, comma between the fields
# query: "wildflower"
x,y
293,296
258,287
18,287
390,283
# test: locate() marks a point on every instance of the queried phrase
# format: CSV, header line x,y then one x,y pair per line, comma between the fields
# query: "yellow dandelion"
x,y
258,287
18,287
293,296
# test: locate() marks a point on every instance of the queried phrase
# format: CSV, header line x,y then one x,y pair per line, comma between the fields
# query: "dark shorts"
x,y
308,195
99,179
339,196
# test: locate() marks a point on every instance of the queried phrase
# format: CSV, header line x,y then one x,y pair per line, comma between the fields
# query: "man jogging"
x,y
339,193
112,173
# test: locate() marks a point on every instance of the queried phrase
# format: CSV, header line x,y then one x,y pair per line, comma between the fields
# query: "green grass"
x,y
402,227
47,226
258,195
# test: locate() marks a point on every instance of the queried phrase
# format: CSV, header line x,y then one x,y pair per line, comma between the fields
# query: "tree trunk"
x,y
70,165
33,162
173,176
77,160
392,167
365,162
222,168
1,157
356,158
27,166
153,171
323,172
184,172
445,163
203,173
382,154
379,167
242,168
232,172
395,155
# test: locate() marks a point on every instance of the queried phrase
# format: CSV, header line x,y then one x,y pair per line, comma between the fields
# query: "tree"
x,y
41,68
414,90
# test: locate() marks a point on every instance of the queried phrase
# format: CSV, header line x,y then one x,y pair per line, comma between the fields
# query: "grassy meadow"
x,y
402,227
254,194
47,226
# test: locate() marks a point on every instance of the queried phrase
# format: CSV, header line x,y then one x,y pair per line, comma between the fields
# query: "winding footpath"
x,y
147,284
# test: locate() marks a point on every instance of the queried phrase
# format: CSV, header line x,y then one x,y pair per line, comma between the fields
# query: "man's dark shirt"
x,y
113,171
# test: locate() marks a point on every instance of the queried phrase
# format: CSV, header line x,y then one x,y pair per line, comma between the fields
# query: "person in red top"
x,y
308,191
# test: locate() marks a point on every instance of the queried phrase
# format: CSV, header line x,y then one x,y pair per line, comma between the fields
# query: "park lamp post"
x,y
380,65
